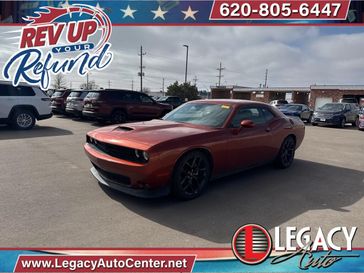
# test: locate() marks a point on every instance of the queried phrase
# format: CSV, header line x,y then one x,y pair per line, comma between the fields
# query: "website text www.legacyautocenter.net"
x,y
55,263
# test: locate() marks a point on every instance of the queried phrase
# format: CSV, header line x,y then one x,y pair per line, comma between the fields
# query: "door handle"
x,y
267,129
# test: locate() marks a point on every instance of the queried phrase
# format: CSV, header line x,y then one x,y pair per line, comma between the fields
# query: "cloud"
x,y
295,56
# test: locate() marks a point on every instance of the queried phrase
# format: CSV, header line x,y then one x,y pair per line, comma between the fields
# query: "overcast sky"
x,y
295,56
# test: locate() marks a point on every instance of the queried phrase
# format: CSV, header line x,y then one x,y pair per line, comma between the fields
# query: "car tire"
x,y
286,153
191,175
118,116
342,123
23,119
313,124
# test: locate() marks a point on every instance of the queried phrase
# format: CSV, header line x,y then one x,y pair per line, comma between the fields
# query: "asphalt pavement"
x,y
48,198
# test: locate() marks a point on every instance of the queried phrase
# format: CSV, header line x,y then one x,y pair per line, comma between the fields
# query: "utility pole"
x,y
187,47
87,87
266,78
220,69
132,85
141,73
109,84
163,86
195,80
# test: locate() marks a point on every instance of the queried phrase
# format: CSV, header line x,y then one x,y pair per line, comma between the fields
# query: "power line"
x,y
141,73
220,69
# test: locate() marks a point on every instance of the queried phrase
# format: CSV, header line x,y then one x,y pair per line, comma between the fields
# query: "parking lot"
x,y
48,197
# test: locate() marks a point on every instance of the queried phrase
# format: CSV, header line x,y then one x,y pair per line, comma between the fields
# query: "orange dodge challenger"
x,y
198,141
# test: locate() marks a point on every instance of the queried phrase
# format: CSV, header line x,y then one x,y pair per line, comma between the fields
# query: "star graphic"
x,y
128,12
159,13
66,5
189,13
98,6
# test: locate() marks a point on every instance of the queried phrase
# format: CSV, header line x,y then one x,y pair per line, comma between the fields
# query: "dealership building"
x,y
313,96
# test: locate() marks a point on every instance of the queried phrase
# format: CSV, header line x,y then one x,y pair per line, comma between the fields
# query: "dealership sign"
x,y
73,38
252,244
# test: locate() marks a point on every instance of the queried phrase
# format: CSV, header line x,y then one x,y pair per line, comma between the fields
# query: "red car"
x,y
199,141
59,101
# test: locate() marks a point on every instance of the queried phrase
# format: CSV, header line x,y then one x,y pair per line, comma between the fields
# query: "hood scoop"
x,y
123,128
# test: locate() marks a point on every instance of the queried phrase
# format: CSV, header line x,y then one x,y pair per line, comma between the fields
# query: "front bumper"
x,y
326,121
145,193
143,180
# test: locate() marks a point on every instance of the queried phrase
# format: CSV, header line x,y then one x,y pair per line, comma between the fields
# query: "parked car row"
x,y
113,105
336,113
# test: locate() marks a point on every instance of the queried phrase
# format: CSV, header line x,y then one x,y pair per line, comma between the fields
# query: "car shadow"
x,y
263,195
7,132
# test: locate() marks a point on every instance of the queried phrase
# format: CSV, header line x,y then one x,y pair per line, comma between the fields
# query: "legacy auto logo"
x,y
78,32
252,244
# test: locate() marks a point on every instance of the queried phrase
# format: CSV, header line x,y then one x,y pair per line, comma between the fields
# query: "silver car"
x,y
74,102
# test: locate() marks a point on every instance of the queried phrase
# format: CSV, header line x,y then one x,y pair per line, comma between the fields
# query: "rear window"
x,y
93,95
75,94
9,90
57,94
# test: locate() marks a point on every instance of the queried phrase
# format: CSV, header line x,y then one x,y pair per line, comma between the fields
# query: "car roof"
x,y
231,101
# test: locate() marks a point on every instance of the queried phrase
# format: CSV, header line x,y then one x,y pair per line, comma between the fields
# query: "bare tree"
x,y
59,82
91,85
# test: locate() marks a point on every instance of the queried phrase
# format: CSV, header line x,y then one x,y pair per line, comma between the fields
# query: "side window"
x,y
116,96
9,90
24,91
145,99
4,90
268,115
131,97
255,114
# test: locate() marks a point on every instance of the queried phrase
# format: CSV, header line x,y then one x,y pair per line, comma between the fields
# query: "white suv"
x,y
22,105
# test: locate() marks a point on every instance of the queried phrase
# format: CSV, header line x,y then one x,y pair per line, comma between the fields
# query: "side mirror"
x,y
247,123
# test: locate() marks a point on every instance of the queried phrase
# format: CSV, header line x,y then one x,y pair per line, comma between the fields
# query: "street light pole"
x,y
186,46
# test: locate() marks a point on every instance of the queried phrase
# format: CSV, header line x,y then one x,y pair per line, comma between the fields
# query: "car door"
x,y
349,113
306,113
249,146
150,108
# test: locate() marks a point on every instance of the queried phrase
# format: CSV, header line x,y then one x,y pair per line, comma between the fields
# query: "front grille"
x,y
116,178
115,150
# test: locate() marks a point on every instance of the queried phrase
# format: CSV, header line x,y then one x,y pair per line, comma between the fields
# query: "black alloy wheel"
x,y
191,175
286,153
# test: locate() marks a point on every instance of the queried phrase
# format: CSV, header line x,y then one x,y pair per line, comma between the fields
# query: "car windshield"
x,y
212,115
335,107
162,98
293,107
57,94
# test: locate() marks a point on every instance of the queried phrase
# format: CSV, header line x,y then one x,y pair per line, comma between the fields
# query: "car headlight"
x,y
315,113
145,156
141,155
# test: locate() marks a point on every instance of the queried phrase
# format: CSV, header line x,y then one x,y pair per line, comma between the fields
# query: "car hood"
x,y
143,135
289,111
